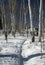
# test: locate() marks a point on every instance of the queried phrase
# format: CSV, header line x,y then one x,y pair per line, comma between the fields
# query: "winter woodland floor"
x,y
21,51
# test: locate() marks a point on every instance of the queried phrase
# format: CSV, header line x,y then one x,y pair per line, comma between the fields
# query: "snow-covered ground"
x,y
12,44
31,53
30,48
17,44
35,61
9,61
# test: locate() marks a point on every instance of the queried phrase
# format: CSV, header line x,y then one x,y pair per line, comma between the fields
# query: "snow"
x,y
35,61
2,37
9,61
29,49
32,49
13,46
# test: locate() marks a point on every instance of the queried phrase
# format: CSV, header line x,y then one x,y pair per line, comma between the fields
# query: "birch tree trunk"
x,y
30,14
40,24
40,20
25,20
13,16
23,24
31,21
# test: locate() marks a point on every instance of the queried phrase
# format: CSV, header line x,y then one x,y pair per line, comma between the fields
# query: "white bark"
x,y
13,23
13,18
30,14
25,17
42,24
40,20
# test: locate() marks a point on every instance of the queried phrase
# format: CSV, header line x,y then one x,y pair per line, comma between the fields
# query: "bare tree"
x,y
40,23
3,13
23,29
31,20
12,12
30,13
26,25
40,20
20,23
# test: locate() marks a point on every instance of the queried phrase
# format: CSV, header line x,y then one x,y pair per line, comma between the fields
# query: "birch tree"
x,y
30,14
40,20
40,23
31,20
12,4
